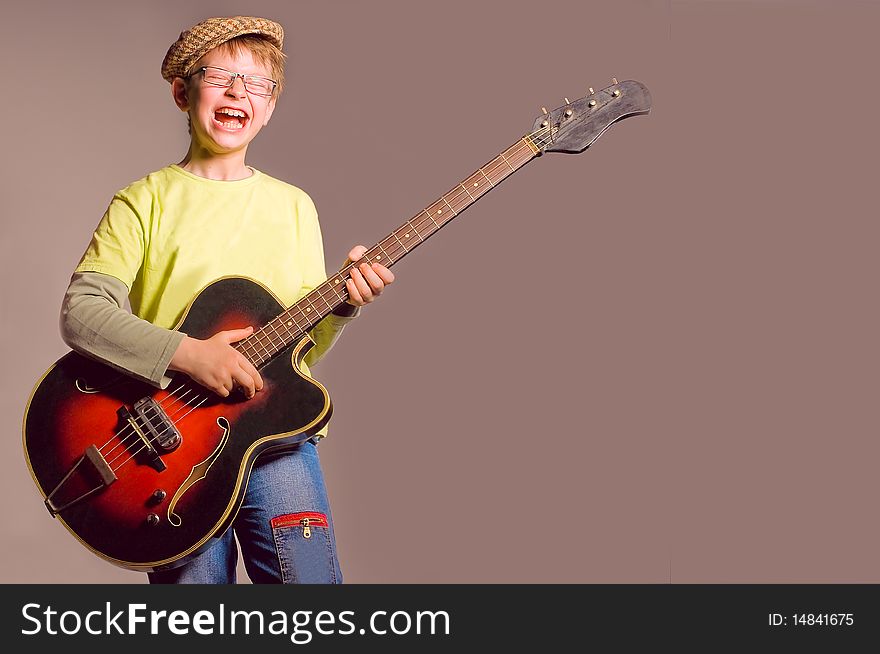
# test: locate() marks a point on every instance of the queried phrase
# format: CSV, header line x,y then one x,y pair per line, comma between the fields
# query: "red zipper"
x,y
304,519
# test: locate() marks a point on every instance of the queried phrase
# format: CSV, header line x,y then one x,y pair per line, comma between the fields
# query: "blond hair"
x,y
262,50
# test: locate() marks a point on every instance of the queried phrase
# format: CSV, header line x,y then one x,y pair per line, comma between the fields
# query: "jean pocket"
x,y
304,548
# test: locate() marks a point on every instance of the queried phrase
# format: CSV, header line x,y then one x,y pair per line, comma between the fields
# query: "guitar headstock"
x,y
573,127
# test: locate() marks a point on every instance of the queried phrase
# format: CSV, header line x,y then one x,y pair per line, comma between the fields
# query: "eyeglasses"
x,y
252,83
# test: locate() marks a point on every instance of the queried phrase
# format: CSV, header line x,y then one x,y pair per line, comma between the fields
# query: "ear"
x,y
178,92
269,109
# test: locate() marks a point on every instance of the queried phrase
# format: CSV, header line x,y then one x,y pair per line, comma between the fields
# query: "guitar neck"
x,y
297,320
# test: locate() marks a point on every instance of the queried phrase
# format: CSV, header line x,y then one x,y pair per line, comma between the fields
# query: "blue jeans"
x,y
284,529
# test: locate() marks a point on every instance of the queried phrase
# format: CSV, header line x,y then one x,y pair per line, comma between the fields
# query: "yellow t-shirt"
x,y
170,234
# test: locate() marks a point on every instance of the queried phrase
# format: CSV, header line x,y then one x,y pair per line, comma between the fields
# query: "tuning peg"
x,y
544,110
566,101
591,91
614,80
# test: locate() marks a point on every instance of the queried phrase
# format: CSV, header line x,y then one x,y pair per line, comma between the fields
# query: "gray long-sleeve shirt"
x,y
95,323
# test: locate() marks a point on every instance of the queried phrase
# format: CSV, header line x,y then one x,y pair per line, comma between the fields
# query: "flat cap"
x,y
199,39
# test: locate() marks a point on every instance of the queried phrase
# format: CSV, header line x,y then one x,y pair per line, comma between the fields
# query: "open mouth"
x,y
230,118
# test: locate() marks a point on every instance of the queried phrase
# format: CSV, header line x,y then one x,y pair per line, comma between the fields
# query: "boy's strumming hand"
x,y
367,281
216,365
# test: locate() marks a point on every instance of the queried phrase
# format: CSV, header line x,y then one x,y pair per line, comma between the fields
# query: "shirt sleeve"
x,y
119,243
95,323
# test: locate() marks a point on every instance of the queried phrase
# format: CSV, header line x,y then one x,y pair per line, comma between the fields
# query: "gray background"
x,y
652,362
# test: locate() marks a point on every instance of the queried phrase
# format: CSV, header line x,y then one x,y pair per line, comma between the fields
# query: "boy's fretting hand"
x,y
367,281
216,365
219,367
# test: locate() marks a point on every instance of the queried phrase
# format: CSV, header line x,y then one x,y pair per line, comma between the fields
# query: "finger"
x,y
354,296
244,381
375,282
223,386
362,286
356,253
235,335
383,272
249,368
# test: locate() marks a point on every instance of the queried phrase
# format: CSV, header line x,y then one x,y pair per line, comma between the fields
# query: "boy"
x,y
166,236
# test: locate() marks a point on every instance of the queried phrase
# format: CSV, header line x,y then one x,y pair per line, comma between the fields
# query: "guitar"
x,y
146,478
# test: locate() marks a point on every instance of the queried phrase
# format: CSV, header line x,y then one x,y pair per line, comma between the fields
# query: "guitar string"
x,y
172,394
151,408
457,195
150,441
454,196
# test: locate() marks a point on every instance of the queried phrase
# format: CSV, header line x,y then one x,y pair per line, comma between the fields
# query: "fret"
x,y
487,178
461,201
311,310
290,322
254,342
394,234
454,212
321,293
473,184
327,291
497,163
271,324
269,346
428,213
336,282
294,321
416,231
473,199
436,210
478,187
245,344
529,151
302,311
391,247
281,331
260,343
385,254
406,234
424,224
507,162
513,154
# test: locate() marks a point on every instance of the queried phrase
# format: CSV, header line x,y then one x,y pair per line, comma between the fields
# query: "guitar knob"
x,y
158,495
152,520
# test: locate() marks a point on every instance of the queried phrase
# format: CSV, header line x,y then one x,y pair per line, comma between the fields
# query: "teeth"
x,y
231,112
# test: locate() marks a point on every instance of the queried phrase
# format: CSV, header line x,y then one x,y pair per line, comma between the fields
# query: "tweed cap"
x,y
199,39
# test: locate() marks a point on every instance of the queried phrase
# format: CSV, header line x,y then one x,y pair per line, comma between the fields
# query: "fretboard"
x,y
292,324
